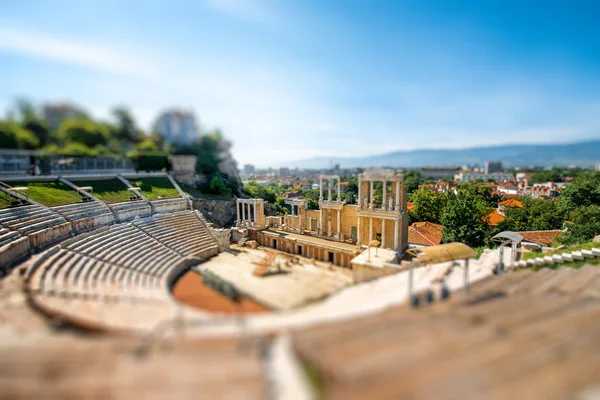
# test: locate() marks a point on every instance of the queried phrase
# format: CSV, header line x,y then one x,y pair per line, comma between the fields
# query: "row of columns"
x,y
396,235
296,215
330,179
327,211
388,203
241,212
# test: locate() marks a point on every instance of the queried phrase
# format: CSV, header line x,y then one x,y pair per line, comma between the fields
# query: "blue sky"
x,y
292,79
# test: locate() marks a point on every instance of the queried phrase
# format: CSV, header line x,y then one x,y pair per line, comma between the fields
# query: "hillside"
x,y
581,153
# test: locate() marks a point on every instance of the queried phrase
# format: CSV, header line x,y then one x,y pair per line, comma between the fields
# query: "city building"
x,y
470,176
284,171
177,127
439,172
492,166
249,169
54,113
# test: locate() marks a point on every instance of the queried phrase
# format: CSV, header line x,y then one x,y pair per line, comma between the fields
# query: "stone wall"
x,y
222,213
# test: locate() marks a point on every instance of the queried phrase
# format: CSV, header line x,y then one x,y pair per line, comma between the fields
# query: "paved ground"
x,y
294,286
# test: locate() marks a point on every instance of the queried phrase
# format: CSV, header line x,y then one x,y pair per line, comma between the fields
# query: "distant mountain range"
x,y
584,154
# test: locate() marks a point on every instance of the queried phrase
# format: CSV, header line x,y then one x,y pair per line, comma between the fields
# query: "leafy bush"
x,y
12,136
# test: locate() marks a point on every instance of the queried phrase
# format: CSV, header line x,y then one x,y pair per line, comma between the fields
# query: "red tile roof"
x,y
494,218
545,238
511,203
425,234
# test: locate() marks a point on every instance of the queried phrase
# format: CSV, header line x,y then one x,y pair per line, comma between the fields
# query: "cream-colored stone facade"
x,y
339,225
250,213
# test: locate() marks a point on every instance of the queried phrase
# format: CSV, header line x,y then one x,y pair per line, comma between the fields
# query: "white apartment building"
x,y
177,127
469,176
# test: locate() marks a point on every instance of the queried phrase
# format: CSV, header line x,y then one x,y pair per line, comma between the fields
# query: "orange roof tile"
x,y
511,203
425,233
545,238
494,218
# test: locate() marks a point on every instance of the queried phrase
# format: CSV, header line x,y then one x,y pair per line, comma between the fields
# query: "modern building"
x,y
177,127
470,176
249,169
492,166
54,113
284,171
439,172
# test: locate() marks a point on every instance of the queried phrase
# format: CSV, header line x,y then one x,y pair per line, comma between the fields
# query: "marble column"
x,y
237,210
398,204
320,188
371,194
329,222
370,229
339,191
243,212
383,195
396,245
383,233
329,189
359,202
339,221
358,239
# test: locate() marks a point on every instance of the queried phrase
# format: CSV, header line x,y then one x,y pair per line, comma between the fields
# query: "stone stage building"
x,y
337,232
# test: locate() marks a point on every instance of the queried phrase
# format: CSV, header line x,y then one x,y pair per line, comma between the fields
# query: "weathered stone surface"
x,y
50,235
13,252
222,213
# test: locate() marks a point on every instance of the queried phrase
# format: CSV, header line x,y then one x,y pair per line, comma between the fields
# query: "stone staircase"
x,y
578,255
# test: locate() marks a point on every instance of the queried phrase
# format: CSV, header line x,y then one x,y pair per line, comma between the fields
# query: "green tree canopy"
x,y
464,219
83,131
583,224
12,136
582,192
428,205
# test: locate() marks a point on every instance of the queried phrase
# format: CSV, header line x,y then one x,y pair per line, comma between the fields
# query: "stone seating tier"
x,y
83,210
29,219
7,236
183,232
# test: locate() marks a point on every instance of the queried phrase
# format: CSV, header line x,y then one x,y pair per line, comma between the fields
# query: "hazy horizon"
x,y
300,79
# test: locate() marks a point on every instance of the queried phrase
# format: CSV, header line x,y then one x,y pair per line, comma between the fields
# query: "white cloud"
x,y
73,51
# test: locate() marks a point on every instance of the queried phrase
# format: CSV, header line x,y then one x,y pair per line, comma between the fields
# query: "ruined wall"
x,y
222,213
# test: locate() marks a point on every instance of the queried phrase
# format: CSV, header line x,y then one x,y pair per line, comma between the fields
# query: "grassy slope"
x,y
107,190
3,202
49,193
156,188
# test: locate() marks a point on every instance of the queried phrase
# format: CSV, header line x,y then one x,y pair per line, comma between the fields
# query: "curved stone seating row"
x,y
116,276
7,236
128,210
86,216
183,232
42,225
126,246
578,255
170,205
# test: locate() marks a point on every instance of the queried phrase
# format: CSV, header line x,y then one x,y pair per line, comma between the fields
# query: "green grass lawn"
x,y
3,202
156,188
50,194
107,190
567,249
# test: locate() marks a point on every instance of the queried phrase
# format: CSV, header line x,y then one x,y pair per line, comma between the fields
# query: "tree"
x,y
217,185
83,131
40,129
464,219
147,146
412,180
12,136
125,128
583,224
583,192
428,205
